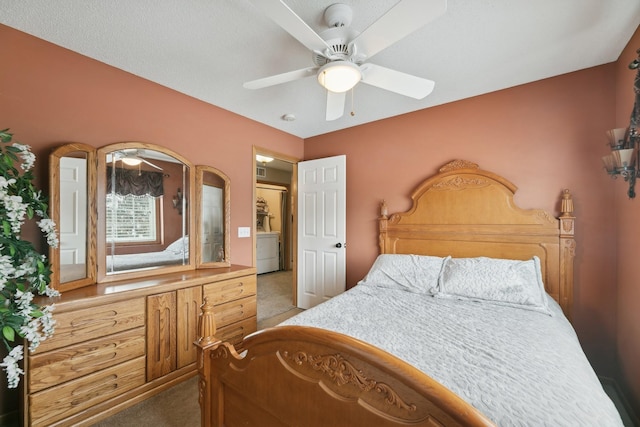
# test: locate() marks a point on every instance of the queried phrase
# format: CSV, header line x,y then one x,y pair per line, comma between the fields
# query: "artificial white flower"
x,y
47,321
23,300
31,333
15,211
48,227
5,183
50,292
10,366
28,158
7,270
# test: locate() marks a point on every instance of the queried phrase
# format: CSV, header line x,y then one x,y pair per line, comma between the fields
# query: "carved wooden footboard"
x,y
300,376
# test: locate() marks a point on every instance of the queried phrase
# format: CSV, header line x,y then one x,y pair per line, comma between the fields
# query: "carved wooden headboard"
x,y
464,211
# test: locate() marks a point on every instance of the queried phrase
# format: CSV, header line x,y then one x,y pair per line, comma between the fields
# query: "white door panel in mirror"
x,y
73,218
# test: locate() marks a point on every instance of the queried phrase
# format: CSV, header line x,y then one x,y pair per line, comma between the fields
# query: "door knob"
x,y
338,245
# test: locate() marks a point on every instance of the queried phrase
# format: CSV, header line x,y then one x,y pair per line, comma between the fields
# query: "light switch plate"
x,y
244,232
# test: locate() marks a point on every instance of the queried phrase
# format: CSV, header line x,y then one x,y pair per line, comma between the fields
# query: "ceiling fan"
x,y
132,158
340,52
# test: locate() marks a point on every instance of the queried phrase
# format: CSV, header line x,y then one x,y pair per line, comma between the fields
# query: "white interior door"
x,y
321,230
73,210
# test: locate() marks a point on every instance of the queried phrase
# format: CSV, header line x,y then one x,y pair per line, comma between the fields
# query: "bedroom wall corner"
x,y
628,229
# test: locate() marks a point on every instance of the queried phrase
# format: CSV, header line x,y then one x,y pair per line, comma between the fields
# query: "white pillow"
x,y
413,273
179,245
500,281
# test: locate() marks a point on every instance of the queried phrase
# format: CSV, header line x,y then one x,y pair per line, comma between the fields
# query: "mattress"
x,y
142,260
519,367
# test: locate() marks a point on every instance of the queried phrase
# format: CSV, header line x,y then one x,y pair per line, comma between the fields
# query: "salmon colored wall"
x,y
628,217
50,96
543,137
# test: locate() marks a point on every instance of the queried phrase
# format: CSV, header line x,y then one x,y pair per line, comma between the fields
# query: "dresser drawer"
x,y
56,403
58,366
236,332
234,311
229,290
82,325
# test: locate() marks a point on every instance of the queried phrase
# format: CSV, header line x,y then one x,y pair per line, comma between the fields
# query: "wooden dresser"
x,y
118,343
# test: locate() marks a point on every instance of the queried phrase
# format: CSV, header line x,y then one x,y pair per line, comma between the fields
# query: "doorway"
x,y
275,235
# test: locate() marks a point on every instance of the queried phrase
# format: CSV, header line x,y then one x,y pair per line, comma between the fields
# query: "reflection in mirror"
x,y
71,204
213,218
133,215
73,217
146,210
212,244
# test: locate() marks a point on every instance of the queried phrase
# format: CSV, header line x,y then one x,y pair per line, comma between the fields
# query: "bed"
x,y
176,253
417,342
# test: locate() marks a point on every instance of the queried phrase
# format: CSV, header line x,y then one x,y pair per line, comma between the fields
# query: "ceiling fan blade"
x,y
282,15
396,81
403,19
149,163
281,78
335,105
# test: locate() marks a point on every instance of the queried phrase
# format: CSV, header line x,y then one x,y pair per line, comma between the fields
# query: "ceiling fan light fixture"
x,y
131,161
339,76
263,159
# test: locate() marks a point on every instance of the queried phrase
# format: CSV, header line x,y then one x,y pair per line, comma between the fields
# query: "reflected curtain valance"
x,y
134,182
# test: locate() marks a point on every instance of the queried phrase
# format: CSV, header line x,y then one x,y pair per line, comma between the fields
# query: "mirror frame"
x,y
200,170
102,275
54,214
96,205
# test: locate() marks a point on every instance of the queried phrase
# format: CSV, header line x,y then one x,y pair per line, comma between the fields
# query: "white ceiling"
x,y
208,48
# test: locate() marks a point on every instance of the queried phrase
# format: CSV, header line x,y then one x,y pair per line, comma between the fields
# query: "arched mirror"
x,y
128,210
212,219
72,207
143,209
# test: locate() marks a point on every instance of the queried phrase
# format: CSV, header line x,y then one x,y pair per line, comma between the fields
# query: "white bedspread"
x,y
142,260
519,367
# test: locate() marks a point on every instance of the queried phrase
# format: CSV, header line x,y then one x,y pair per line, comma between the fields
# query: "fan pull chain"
x,y
353,113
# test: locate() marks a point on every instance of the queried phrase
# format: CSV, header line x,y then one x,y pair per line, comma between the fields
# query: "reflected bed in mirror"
x,y
177,253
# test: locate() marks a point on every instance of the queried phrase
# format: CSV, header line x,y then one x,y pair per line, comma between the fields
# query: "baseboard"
x,y
621,401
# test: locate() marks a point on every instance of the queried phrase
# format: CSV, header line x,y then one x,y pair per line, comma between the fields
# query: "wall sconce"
x,y
623,159
177,201
624,142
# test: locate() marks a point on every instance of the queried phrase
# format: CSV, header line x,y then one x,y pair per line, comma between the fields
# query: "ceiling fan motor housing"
x,y
339,38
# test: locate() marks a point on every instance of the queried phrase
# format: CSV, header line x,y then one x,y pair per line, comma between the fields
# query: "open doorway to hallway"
x,y
274,235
